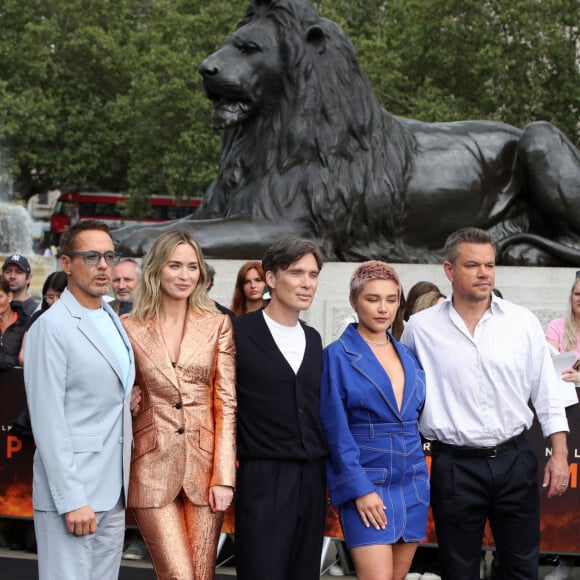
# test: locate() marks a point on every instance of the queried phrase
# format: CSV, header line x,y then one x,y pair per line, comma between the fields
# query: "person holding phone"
x,y
563,335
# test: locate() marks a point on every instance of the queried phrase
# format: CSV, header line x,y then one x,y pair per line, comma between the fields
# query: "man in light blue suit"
x,y
78,373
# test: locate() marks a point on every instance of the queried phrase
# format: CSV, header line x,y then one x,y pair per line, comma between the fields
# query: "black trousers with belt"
x,y
280,516
471,486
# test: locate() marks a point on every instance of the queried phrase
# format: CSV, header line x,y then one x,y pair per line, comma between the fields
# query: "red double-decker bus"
x,y
74,206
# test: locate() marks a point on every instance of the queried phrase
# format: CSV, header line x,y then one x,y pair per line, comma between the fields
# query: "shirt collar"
x,y
497,304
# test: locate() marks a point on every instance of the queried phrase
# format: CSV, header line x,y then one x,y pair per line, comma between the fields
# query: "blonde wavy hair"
x,y
570,337
148,293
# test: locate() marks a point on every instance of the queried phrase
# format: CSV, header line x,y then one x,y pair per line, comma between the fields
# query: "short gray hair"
x,y
465,236
134,262
210,271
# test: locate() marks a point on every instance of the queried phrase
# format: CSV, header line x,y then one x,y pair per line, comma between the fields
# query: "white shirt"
x,y
478,387
290,340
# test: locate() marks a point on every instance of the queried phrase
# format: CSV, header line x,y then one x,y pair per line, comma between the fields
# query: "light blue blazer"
x,y
80,410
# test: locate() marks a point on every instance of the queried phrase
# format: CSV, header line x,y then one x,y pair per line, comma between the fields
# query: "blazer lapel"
x,y
117,321
195,338
368,366
92,333
148,339
410,374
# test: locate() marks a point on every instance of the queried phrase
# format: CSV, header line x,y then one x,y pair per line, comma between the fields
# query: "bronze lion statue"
x,y
307,149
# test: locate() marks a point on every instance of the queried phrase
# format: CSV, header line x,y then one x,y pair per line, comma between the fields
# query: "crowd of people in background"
x,y
199,404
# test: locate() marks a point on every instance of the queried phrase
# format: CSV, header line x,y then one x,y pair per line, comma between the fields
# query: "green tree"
x,y
106,92
515,61
173,148
62,66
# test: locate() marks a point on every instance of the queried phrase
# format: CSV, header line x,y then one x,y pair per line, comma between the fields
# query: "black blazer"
x,y
278,410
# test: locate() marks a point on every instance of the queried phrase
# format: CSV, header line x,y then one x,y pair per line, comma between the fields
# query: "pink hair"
x,y
372,270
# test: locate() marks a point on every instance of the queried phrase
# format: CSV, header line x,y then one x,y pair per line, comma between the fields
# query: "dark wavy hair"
x,y
69,237
288,250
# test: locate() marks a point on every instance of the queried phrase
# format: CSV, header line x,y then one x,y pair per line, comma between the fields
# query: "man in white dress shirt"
x,y
485,359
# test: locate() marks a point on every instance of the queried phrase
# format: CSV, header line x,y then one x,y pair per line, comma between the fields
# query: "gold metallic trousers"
x,y
181,538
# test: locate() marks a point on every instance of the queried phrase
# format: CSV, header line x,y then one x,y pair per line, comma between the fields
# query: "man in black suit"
x,y
281,483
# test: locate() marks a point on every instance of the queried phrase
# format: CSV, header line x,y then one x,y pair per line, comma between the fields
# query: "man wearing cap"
x,y
17,273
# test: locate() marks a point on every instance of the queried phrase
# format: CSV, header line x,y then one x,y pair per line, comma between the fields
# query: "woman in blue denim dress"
x,y
372,392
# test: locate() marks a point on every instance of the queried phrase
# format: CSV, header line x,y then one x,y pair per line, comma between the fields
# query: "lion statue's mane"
x,y
327,153
307,149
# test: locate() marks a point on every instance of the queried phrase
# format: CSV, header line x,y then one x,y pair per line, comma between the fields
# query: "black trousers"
x,y
465,492
280,516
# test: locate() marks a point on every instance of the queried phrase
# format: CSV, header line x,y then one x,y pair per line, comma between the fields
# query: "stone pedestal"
x,y
545,291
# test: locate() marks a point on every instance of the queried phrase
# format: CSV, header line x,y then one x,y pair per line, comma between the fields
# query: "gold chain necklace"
x,y
374,342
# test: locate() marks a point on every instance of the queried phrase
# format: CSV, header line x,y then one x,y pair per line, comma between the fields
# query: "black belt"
x,y
478,452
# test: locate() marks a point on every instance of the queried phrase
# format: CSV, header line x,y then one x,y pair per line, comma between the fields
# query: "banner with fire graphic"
x,y
558,515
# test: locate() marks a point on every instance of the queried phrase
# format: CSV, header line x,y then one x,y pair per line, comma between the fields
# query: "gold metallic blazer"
x,y
185,431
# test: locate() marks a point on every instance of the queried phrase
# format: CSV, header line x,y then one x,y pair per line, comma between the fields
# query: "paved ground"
x,y
16,565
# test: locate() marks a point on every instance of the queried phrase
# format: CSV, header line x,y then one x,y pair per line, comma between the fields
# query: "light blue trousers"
x,y
64,556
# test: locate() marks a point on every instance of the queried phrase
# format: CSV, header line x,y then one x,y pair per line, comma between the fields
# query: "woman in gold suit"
x,y
183,461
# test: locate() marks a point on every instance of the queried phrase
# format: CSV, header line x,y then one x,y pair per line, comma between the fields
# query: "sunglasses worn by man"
x,y
92,258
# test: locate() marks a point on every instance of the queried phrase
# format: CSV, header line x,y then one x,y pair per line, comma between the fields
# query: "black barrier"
x,y
15,453
558,515
558,524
